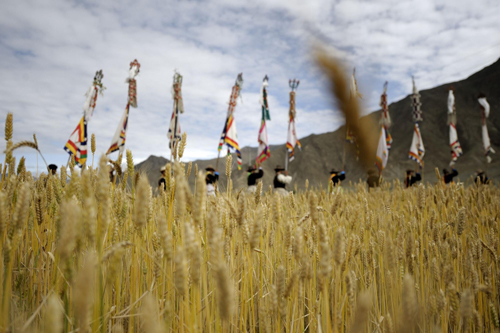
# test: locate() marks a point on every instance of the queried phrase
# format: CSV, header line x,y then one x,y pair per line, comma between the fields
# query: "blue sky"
x,y
50,51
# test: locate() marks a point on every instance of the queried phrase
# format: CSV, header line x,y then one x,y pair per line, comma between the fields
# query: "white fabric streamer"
x,y
417,150
382,151
485,106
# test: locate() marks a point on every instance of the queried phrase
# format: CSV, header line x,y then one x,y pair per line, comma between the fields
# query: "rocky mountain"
x,y
320,153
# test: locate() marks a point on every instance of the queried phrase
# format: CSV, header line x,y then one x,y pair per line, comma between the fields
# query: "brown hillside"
x,y
322,152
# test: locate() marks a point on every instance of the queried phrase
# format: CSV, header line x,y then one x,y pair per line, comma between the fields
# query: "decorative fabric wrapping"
x,y
90,101
416,104
77,143
118,141
263,152
385,117
132,93
452,114
417,150
229,135
91,95
456,149
292,139
174,130
485,113
382,151
132,84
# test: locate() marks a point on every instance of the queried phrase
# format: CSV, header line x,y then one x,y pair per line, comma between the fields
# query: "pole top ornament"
x,y
294,84
98,78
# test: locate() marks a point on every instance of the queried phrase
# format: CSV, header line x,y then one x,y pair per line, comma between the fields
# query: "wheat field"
x,y
90,255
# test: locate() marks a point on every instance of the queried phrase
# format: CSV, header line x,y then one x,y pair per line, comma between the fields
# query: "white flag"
x,y
382,151
485,106
118,142
456,149
417,150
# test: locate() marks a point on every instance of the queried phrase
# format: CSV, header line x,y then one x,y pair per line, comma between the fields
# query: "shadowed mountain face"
x,y
321,153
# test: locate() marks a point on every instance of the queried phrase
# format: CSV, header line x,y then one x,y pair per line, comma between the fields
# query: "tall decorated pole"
x,y
77,143
385,139
415,103
118,141
174,131
292,139
417,150
229,136
485,113
385,117
263,152
456,149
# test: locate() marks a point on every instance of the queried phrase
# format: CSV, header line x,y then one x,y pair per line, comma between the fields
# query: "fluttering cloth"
x,y
77,143
263,152
229,135
456,149
382,151
118,141
417,150
485,113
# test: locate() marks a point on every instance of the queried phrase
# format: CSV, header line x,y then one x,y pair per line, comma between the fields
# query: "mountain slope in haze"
x,y
320,153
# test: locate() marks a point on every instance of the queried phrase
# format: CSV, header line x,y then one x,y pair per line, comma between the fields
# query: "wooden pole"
x,y
217,163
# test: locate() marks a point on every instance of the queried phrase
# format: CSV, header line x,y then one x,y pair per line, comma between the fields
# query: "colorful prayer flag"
x,y
77,143
118,142
229,134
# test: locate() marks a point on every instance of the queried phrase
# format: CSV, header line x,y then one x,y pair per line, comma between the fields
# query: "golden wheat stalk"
x,y
363,128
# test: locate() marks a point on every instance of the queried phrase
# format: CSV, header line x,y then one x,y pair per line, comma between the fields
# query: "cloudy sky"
x,y
50,50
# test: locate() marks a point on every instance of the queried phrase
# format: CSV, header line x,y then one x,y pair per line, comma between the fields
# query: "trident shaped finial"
x,y
135,63
294,84
98,77
177,77
239,80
